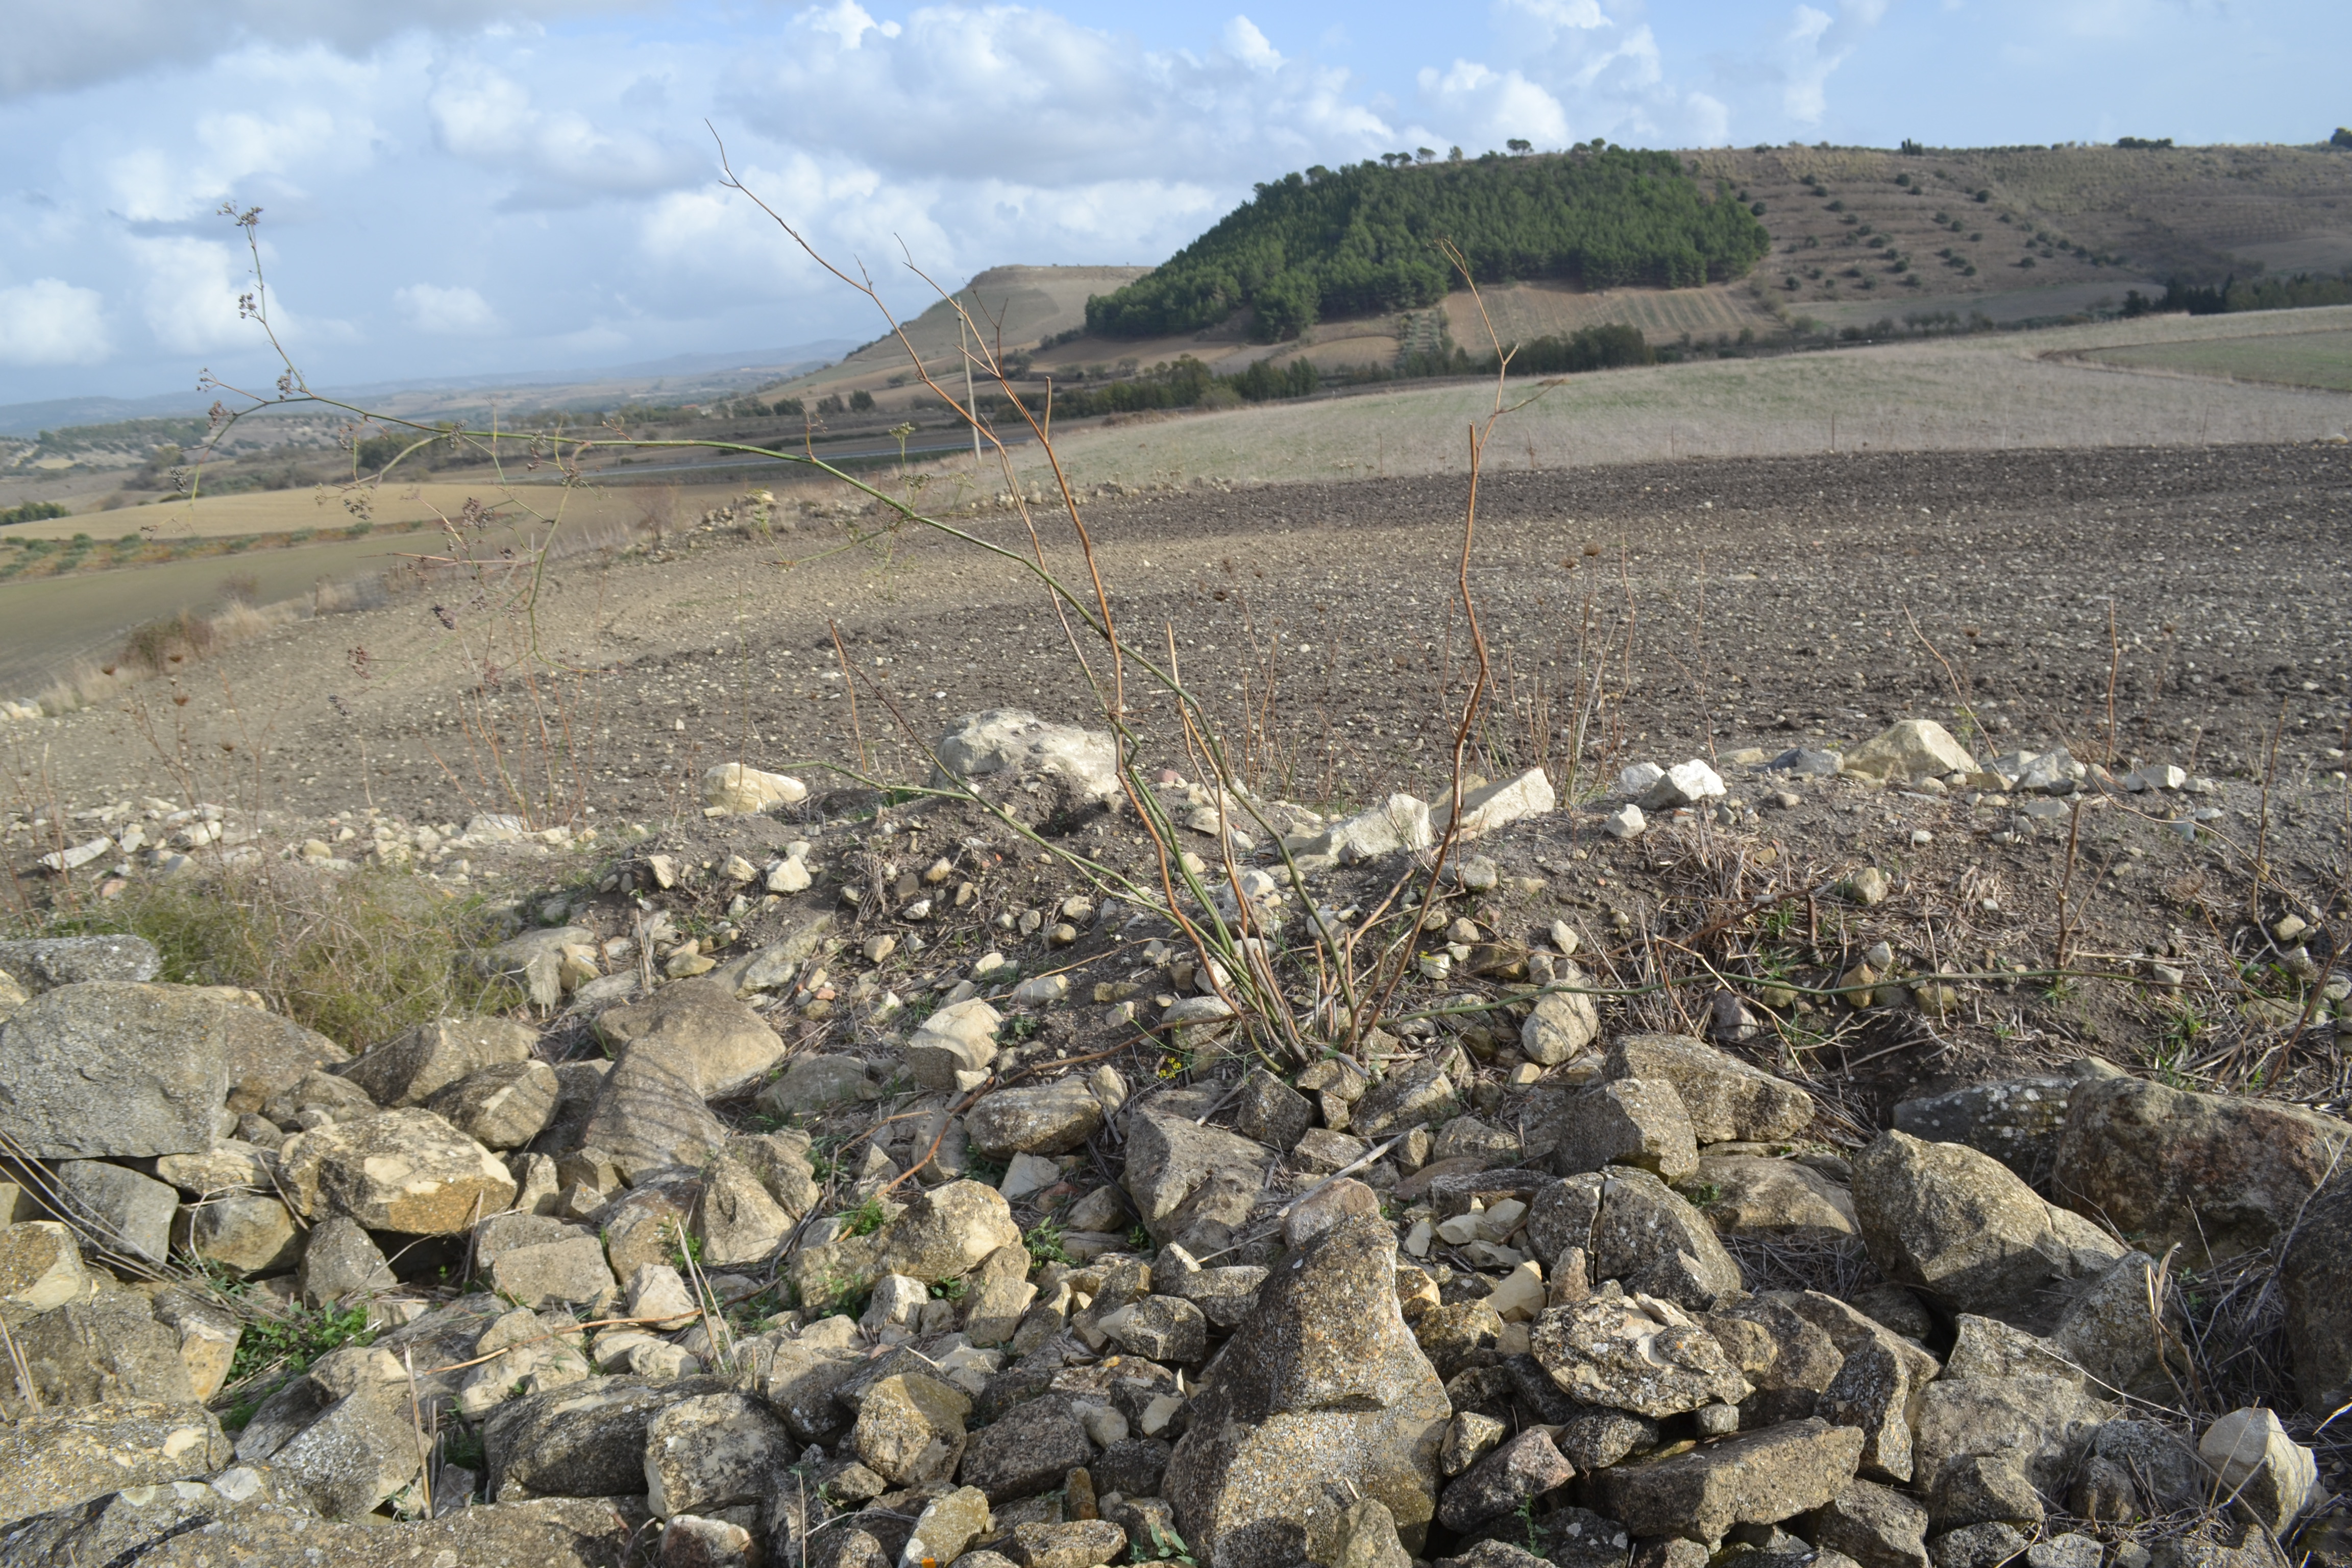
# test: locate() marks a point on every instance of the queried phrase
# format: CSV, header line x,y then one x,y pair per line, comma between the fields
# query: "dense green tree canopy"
x,y
1363,239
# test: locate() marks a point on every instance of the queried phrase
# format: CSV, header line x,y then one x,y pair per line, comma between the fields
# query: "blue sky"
x,y
453,187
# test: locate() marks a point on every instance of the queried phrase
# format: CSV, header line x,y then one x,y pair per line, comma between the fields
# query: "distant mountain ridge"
x,y
703,374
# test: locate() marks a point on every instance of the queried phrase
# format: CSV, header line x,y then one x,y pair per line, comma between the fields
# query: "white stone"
x,y
1027,1175
1521,1296
1635,781
1010,740
735,790
788,875
1626,822
1913,748
2158,775
1401,822
1685,784
1485,810
1043,989
657,1292
2251,1455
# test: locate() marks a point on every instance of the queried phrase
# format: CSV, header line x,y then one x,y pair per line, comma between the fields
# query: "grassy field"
x,y
1991,391
2322,359
281,512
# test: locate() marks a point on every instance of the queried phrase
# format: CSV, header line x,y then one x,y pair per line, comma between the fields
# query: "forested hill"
x,y
1360,240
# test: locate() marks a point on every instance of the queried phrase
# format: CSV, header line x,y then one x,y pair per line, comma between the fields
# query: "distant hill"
x,y
1360,240
1021,306
2028,233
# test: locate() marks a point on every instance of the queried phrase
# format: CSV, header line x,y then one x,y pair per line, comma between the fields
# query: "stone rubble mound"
x,y
735,1291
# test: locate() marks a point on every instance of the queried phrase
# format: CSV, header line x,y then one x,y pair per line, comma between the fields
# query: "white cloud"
x,y
447,313
554,157
849,22
1487,107
57,46
1813,48
51,322
190,298
1247,45
150,185
1034,99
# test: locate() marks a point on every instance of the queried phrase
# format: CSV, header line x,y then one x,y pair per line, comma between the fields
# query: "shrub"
x,y
32,511
861,402
159,645
359,956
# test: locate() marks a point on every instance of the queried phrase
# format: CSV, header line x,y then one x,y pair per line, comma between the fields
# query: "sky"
x,y
476,186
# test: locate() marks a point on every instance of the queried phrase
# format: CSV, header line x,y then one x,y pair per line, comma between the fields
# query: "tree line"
x,y
1363,239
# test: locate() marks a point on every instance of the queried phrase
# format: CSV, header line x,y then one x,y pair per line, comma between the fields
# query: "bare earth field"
x,y
1764,596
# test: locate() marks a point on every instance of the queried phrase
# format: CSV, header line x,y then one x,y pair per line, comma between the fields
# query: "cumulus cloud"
x,y
447,313
190,298
1487,107
1813,46
555,156
185,178
55,48
51,322
1033,97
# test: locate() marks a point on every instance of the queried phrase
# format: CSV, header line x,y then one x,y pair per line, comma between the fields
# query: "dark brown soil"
x,y
1729,604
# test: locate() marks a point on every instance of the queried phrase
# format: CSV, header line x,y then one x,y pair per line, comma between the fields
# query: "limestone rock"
x,y
696,1024
132,1212
1562,1024
405,1170
2207,1172
1052,1117
1013,740
208,1333
946,1231
1513,1474
40,1268
1191,1186
571,1272
651,1114
2270,1474
910,1428
244,1232
1725,1099
2016,1122
1632,1121
947,1525
45,963
1876,1526
1401,822
360,1452
1272,1113
2318,1308
431,1056
2039,1424
342,1264
959,1039
712,1451
1635,1353
815,1084
740,1222
734,790
1076,1543
1960,1225
1026,1450
1760,1197
585,1439
109,1069
1496,805
502,1107
1906,751
53,1458
107,1348
1756,1477
2111,1329
1983,1488
1321,1388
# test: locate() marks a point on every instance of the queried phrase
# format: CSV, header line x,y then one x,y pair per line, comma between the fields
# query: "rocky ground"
x,y
1841,1147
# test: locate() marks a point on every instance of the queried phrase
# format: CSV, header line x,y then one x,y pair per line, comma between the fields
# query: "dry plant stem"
x,y
849,679
2066,884
1960,704
2114,668
2263,827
